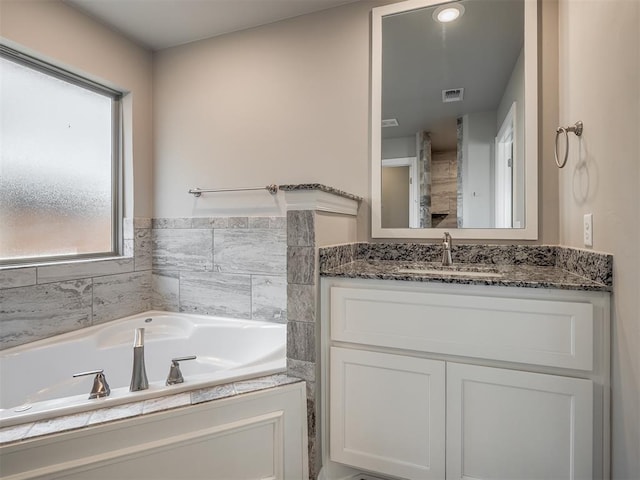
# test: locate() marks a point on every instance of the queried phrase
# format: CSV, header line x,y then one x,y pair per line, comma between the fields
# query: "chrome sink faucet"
x,y
446,250
139,374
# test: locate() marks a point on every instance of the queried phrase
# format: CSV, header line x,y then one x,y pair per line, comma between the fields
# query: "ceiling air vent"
x,y
389,122
452,95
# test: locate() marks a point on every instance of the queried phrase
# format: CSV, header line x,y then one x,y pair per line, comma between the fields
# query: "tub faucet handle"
x,y
175,375
100,386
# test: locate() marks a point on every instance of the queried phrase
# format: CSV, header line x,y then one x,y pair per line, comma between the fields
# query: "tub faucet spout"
x,y
139,374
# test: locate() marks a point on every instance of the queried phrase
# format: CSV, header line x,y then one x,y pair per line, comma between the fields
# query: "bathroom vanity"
x,y
454,376
497,367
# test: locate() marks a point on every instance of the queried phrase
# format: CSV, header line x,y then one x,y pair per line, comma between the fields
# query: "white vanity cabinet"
x,y
426,380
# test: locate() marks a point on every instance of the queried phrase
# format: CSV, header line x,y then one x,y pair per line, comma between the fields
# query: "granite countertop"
x,y
320,187
528,266
510,275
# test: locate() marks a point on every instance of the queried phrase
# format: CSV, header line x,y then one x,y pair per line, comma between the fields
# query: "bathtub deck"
x,y
65,423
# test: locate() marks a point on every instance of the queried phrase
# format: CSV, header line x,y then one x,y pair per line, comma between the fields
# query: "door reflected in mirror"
x,y
450,104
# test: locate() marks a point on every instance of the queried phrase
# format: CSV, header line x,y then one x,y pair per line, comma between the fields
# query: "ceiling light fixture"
x,y
448,13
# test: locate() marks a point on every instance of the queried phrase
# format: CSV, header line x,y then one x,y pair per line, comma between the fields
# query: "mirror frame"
x,y
530,231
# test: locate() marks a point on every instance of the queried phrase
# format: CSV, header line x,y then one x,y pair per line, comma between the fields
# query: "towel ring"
x,y
577,129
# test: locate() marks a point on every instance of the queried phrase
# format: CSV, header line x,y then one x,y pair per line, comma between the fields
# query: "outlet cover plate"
x,y
588,230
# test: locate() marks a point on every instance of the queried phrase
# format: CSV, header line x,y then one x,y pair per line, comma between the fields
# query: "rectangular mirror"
x,y
454,124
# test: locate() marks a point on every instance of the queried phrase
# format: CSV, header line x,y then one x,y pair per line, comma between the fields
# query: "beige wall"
x,y
600,84
548,224
395,197
283,103
54,31
334,229
288,103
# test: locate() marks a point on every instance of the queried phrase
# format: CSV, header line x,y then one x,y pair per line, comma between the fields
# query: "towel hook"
x,y
577,129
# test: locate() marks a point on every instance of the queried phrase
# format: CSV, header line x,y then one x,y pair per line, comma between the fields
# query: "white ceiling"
x,y
158,24
421,57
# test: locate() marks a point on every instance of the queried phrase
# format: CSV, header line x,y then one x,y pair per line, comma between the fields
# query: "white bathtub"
x,y
36,379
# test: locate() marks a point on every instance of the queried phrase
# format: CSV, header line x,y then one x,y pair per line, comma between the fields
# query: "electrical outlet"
x,y
588,230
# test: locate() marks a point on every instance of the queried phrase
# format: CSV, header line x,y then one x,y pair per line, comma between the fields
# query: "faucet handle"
x,y
100,386
175,375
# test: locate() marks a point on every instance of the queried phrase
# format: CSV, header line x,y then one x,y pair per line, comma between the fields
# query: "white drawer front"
x,y
539,332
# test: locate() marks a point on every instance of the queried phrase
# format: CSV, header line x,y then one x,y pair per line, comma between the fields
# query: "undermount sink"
x,y
451,272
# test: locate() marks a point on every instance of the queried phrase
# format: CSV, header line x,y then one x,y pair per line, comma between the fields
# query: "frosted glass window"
x,y
58,165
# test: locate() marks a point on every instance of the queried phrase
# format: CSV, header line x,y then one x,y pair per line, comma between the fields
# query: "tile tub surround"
x,y
46,300
64,423
183,270
320,198
304,203
229,266
301,310
534,266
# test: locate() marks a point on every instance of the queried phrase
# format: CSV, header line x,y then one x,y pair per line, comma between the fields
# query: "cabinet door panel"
x,y
517,425
387,413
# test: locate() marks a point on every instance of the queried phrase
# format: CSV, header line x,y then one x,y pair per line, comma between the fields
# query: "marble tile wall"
x,y
459,163
424,177
444,193
42,301
243,267
302,295
229,266
302,328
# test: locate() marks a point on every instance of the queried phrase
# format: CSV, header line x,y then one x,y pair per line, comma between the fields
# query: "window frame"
x,y
117,190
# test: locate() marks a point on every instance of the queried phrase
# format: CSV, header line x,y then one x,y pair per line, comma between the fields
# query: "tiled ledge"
x,y
76,421
320,187
318,197
538,266
272,223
